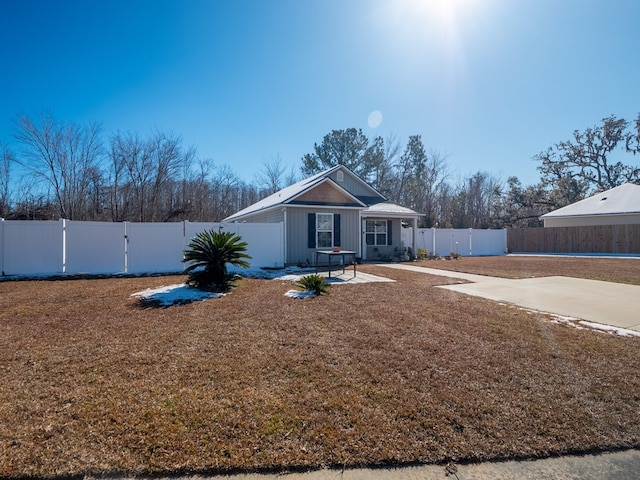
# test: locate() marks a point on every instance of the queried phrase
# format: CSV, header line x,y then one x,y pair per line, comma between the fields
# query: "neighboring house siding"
x,y
586,221
297,228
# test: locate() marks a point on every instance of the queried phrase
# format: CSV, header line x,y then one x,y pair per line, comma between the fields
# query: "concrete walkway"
x,y
623,465
604,303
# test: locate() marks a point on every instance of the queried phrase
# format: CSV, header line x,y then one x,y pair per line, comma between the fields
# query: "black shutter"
x,y
336,229
389,232
311,238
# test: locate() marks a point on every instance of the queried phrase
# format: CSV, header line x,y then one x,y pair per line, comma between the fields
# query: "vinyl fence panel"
x,y
265,240
265,243
95,247
191,229
155,247
47,248
34,247
488,242
464,241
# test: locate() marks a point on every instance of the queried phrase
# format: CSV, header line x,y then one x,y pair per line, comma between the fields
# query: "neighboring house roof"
x,y
301,194
621,200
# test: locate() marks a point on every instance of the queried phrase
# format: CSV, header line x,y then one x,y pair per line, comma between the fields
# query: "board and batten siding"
x,y
298,251
350,184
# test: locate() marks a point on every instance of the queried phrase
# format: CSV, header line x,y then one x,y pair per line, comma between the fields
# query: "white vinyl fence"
x,y
42,248
464,241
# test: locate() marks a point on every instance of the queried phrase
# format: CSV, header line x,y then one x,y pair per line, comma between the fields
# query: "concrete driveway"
x,y
604,303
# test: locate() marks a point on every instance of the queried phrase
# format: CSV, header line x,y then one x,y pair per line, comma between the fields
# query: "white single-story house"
x,y
616,206
334,208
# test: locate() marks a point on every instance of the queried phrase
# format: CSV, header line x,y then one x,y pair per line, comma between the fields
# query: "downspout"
x,y
360,220
362,242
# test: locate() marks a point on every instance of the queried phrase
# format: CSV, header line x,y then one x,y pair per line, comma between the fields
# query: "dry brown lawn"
x,y
621,270
92,382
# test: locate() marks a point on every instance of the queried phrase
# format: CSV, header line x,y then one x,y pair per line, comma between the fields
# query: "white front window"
x,y
324,230
376,232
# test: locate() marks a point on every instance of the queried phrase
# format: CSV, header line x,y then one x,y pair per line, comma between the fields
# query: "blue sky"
x,y
490,83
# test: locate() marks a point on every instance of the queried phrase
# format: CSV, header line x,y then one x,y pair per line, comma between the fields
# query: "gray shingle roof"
x,y
288,193
377,202
389,209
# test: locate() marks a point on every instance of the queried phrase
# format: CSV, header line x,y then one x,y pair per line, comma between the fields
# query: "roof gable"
x,y
326,192
624,199
290,194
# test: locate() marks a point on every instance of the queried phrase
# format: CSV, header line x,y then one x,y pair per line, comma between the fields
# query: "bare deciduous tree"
x,y
590,157
270,177
148,164
64,156
6,158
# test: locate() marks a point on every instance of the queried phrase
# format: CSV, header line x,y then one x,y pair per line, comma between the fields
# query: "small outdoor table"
x,y
342,254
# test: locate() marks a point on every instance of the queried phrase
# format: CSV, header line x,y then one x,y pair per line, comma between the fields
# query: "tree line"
x,y
72,171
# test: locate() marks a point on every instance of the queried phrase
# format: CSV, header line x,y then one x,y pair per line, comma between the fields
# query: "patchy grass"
x,y
92,382
620,270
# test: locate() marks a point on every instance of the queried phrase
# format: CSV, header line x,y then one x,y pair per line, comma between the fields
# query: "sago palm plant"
x,y
314,283
208,255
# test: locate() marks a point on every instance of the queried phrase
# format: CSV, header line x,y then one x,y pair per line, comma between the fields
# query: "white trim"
x,y
284,234
326,207
332,229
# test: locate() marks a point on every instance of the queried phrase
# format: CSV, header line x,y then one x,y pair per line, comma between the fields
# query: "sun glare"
x,y
442,15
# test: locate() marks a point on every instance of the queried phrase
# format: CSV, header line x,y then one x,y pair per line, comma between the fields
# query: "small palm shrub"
x,y
422,254
314,283
208,255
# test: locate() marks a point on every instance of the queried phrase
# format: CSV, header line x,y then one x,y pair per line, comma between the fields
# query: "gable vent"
x,y
340,176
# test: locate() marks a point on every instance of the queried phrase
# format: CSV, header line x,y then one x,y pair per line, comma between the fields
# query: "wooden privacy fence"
x,y
622,239
42,248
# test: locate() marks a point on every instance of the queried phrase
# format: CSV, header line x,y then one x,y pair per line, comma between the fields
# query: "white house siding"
x,y
297,224
585,221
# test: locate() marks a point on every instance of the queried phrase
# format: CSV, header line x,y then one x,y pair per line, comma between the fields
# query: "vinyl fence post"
x,y
470,242
126,247
433,240
63,224
505,239
2,246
